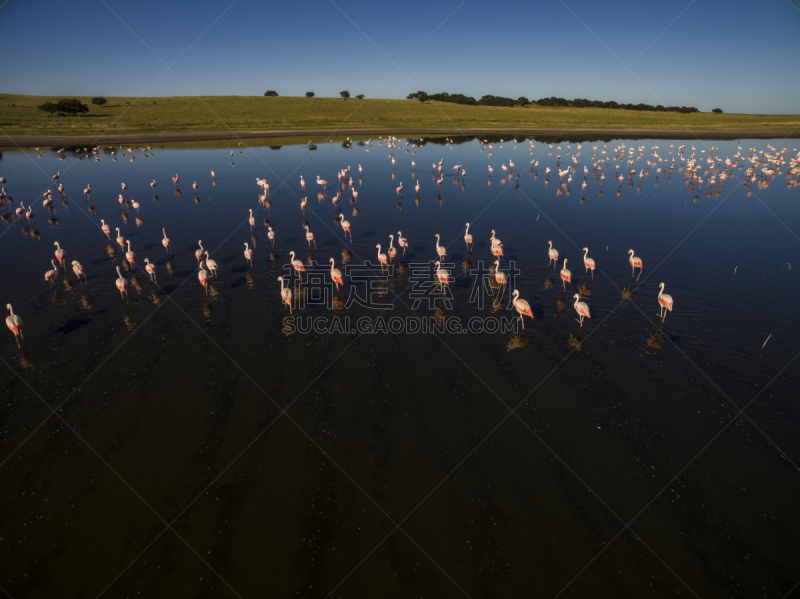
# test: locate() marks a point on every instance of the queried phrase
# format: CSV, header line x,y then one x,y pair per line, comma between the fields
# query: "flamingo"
x,y
553,253
346,226
88,189
400,188
56,176
665,302
499,275
153,184
60,254
129,255
212,265
310,237
581,308
440,249
120,238
175,179
52,275
78,270
194,185
28,212
286,295
248,254
14,323
566,275
105,228
296,264
122,284
271,235
468,237
416,187
213,175
381,257
150,268
252,220
402,242
199,253
322,182
442,276
302,183
124,186
336,275
202,276
636,262
391,251
495,240
523,307
165,241
588,262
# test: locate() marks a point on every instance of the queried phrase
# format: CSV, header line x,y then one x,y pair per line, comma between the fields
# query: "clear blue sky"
x,y
740,56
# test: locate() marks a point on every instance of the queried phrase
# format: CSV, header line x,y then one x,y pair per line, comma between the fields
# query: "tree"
x,y
48,107
717,111
523,101
68,106
345,94
360,97
99,101
271,93
309,94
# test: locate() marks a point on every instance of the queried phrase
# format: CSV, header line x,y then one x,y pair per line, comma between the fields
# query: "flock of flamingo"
x,y
770,163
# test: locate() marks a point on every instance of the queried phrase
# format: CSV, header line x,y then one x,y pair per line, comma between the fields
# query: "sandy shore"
x,y
318,135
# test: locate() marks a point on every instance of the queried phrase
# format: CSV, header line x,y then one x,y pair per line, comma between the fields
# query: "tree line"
x,y
490,100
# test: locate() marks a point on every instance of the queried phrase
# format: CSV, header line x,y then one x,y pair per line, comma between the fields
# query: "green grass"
x,y
19,115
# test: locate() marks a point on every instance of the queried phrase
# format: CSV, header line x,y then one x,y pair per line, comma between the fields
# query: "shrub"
x,y
271,93
309,94
717,111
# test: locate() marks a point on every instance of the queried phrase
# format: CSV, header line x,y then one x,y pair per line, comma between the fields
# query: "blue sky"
x,y
739,56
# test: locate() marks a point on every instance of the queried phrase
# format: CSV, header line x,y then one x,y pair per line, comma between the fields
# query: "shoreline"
x,y
32,140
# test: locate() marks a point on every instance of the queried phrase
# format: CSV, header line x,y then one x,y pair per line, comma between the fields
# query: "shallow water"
x,y
181,443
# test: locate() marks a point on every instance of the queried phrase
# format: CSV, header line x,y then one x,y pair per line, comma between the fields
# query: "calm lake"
x,y
192,442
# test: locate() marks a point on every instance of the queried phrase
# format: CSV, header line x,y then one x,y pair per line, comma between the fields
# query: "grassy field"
x,y
19,115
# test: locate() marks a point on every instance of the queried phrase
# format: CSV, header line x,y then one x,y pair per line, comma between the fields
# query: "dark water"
x,y
182,444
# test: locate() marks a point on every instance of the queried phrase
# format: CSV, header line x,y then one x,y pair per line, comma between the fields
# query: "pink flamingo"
x,y
105,228
252,220
150,268
442,276
499,275
636,262
440,249
202,276
122,284
399,189
402,242
14,323
296,264
248,254
665,302
120,239
382,257
286,295
129,255
199,253
212,265
78,270
310,237
176,178
588,262
391,251
322,182
468,237
153,184
566,275
346,226
553,253
336,275
271,235
52,275
523,307
581,308
60,254
165,240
